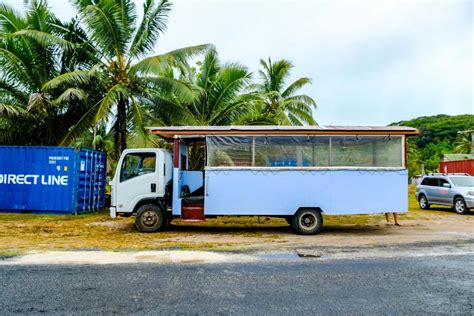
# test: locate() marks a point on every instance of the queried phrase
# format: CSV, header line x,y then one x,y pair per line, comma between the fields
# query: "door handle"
x,y
153,187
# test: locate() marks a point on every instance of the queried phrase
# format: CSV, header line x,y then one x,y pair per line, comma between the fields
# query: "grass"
x,y
96,231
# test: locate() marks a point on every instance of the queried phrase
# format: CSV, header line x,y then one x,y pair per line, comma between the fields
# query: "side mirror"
x,y
446,185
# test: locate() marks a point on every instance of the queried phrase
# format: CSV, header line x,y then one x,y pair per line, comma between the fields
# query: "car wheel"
x,y
423,201
460,206
150,218
307,222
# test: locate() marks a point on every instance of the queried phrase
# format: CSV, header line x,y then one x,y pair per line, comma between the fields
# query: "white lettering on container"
x,y
32,179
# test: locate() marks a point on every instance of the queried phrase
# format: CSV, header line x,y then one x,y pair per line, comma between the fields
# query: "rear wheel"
x,y
460,206
423,201
150,218
307,222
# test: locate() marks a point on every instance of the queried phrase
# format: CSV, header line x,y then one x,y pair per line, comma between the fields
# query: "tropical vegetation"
x,y
97,80
439,135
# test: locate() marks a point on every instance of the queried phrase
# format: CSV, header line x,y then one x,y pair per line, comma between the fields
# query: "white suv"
x,y
455,190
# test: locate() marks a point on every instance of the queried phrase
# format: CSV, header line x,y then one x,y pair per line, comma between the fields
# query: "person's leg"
x,y
395,218
386,218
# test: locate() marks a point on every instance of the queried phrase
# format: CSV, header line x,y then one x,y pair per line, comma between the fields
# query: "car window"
x,y
431,182
425,181
463,181
442,182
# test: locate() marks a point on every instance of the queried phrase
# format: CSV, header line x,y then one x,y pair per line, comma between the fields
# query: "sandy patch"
x,y
105,257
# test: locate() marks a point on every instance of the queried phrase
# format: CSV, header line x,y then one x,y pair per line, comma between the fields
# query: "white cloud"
x,y
373,62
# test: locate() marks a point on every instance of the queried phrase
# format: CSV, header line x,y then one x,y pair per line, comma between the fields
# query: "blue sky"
x,y
372,62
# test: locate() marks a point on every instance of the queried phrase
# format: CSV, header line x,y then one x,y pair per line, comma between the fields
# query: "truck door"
x,y
138,179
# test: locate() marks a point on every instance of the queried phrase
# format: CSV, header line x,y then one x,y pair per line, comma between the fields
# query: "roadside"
x,y
23,233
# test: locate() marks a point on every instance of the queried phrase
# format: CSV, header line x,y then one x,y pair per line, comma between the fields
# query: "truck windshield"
x,y
463,181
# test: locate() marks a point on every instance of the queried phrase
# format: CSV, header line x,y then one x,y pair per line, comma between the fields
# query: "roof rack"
x,y
449,174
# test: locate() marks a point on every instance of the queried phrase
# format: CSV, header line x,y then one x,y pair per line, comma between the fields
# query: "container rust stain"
x,y
60,180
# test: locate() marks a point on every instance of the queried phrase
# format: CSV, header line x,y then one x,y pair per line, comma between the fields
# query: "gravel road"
x,y
270,286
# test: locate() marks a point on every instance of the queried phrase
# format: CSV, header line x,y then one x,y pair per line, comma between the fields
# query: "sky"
x,y
371,62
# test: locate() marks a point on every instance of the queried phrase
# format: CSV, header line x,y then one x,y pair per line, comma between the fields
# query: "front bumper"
x,y
113,211
469,201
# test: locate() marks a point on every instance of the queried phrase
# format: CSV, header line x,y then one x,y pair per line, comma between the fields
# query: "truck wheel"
x,y
423,201
307,222
150,218
460,206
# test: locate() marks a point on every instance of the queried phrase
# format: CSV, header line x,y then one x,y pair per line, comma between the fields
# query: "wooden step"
x,y
194,212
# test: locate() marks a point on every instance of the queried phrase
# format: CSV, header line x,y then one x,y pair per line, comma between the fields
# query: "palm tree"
x,y
219,95
280,103
34,48
124,78
464,143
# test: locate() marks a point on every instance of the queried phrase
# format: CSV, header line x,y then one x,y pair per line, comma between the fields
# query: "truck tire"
x,y
150,218
460,206
423,201
307,222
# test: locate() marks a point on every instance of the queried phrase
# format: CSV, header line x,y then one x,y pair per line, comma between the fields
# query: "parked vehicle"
x,y
455,190
55,180
293,172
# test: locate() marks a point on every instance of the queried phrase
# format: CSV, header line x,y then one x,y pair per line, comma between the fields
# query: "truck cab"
x,y
141,178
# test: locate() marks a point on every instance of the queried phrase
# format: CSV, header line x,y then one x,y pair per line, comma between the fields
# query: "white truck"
x,y
293,172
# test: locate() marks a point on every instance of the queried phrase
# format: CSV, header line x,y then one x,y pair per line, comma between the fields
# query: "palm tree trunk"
x,y
120,137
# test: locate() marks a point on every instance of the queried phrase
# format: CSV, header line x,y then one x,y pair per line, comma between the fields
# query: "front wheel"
x,y
307,222
423,201
150,218
460,206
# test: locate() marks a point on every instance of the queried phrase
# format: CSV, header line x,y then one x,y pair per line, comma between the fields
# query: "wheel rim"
x,y
149,218
459,206
308,221
423,202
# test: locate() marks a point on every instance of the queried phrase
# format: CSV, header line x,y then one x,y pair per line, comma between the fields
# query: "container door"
x,y
138,179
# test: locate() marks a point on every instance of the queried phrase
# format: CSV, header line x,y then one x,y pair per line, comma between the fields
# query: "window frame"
x,y
402,152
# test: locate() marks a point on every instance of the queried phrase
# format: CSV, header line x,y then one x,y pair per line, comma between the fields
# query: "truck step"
x,y
194,212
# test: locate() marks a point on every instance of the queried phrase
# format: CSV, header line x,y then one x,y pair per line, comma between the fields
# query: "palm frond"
x,y
302,98
104,21
111,98
292,88
82,126
73,78
10,20
179,88
69,94
46,39
156,64
153,24
10,109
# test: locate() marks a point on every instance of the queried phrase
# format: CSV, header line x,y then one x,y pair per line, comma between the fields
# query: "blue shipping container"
x,y
59,180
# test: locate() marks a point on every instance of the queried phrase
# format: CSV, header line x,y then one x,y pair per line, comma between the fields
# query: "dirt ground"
x,y
21,233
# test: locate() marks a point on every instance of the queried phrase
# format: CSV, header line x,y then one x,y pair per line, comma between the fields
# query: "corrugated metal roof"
x,y
171,131
453,157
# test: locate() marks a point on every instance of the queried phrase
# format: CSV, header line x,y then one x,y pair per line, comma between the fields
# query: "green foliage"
x,y
96,80
439,135
281,104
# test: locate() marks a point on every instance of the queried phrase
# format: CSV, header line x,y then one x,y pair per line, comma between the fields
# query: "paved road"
x,y
443,284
